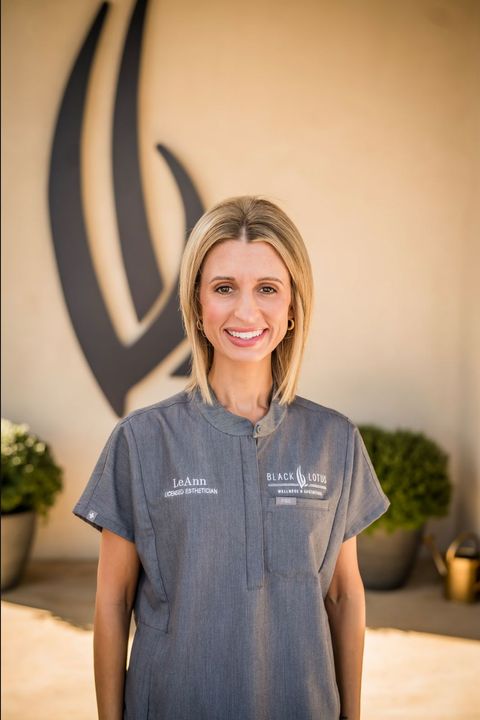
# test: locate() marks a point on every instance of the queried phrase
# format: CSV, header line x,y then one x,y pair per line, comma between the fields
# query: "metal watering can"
x,y
460,568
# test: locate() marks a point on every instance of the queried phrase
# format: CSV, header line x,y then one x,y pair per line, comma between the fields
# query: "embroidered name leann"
x,y
297,482
190,486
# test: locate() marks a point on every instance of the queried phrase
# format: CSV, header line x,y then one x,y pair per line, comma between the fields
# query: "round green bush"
x,y
412,470
30,477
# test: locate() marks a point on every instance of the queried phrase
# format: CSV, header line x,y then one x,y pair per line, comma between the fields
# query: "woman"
x,y
230,510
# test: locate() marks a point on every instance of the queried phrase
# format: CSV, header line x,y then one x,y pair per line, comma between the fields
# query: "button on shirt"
x,y
238,526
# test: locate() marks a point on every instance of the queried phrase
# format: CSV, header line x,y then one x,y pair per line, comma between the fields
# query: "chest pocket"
x,y
296,535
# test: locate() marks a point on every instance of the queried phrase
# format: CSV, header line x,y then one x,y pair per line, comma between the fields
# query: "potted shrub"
x,y
30,482
412,470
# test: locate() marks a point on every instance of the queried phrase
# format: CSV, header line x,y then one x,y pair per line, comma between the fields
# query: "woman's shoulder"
x,y
150,412
327,414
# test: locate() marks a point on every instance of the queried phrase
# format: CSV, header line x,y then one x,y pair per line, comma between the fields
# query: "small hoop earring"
x,y
200,325
290,327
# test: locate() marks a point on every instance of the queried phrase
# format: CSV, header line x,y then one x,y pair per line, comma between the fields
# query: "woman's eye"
x,y
225,289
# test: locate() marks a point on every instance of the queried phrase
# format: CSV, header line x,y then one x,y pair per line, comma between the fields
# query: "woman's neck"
x,y
243,389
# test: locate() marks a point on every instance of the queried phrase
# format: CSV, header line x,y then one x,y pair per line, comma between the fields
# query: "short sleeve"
x,y
106,501
366,501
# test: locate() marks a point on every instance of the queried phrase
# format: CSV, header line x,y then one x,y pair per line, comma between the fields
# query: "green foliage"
x,y
412,471
30,477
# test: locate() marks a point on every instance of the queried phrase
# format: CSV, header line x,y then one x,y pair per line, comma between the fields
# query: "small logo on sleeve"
x,y
91,515
297,482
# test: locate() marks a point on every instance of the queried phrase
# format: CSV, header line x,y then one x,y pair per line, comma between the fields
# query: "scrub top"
x,y
238,527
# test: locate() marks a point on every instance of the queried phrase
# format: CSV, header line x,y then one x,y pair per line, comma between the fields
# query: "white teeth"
x,y
245,335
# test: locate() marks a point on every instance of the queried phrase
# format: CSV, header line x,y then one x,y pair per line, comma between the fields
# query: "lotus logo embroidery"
x,y
301,478
290,483
115,365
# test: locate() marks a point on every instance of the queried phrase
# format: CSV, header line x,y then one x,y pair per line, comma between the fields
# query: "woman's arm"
x,y
117,575
345,606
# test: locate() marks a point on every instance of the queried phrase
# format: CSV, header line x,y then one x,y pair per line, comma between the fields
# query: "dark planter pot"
x,y
386,559
18,530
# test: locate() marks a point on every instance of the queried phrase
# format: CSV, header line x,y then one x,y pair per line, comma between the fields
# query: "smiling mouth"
x,y
245,335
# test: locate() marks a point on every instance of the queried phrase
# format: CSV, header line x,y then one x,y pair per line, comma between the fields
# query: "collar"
x,y
232,424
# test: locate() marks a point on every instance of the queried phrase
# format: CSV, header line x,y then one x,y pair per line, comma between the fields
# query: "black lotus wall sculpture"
x,y
116,366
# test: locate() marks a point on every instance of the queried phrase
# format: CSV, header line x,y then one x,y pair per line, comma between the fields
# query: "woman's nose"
x,y
246,308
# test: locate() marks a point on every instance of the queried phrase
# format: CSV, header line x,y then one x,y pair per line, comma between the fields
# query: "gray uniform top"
x,y
238,527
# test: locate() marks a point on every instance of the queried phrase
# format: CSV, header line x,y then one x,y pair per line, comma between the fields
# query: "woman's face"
x,y
245,299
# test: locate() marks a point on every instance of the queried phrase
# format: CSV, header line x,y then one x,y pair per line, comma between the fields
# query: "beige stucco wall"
x,y
359,119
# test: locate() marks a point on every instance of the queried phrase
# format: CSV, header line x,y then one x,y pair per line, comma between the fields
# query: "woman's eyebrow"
x,y
227,277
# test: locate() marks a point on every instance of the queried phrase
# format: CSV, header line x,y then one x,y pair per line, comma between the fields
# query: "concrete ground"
x,y
422,655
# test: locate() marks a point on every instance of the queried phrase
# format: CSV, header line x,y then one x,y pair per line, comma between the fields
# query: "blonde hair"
x,y
251,219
